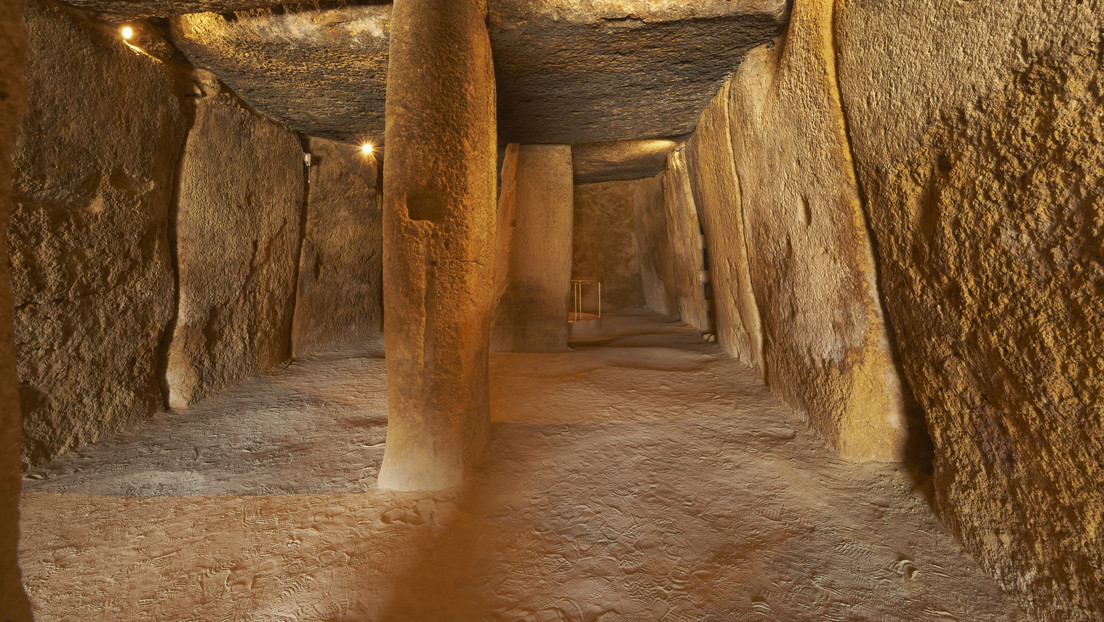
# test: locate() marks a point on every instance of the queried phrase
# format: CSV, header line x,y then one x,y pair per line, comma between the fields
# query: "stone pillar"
x,y
438,241
533,262
13,602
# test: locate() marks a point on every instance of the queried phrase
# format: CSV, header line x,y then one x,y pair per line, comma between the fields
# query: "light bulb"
x,y
128,32
367,148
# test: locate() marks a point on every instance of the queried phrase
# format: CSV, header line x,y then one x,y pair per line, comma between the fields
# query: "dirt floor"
x,y
642,476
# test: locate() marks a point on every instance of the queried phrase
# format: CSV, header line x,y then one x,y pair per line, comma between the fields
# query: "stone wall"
x,y
716,192
653,246
340,291
111,210
533,250
605,246
984,178
238,220
687,247
95,160
825,345
13,601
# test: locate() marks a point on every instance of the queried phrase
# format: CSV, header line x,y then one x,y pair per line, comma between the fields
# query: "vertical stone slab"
x,y
340,291
716,189
984,175
604,245
13,601
811,264
536,201
438,241
653,246
240,202
95,160
687,252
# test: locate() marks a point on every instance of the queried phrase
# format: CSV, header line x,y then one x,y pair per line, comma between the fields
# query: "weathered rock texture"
x,y
605,246
117,9
323,73
13,46
812,270
239,210
686,243
95,160
439,240
340,291
533,249
984,175
716,190
616,161
579,71
657,269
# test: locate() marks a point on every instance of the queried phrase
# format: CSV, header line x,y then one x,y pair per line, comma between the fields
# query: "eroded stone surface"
x,y
129,9
323,73
13,48
605,245
439,184
657,270
984,174
812,270
240,203
340,292
716,190
95,161
685,239
533,250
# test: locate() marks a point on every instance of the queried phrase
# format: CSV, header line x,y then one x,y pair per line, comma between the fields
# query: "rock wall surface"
x,y
239,210
533,253
13,47
653,246
605,246
711,167
978,132
95,160
812,270
439,189
340,290
687,251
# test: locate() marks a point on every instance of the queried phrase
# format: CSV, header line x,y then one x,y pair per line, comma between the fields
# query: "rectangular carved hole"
x,y
425,205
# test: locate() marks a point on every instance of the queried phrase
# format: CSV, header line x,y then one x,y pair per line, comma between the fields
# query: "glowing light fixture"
x,y
367,149
128,33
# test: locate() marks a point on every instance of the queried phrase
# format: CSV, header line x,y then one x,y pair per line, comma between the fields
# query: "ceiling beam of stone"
x,y
628,159
144,9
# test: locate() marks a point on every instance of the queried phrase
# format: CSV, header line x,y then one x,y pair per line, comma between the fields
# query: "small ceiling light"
x,y
128,33
367,149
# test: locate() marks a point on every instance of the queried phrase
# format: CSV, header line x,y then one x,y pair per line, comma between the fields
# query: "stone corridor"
x,y
643,475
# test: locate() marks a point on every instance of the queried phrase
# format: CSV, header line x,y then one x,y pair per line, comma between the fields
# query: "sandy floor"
x,y
643,476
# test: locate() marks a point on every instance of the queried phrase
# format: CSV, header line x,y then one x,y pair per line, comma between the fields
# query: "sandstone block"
x,y
13,47
984,175
710,164
812,270
605,246
533,252
95,160
239,210
685,236
653,246
340,290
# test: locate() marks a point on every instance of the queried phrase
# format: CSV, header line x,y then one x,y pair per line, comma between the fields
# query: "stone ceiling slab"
x,y
323,72
144,9
615,161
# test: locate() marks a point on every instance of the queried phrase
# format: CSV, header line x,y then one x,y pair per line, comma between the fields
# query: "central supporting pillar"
x,y
438,241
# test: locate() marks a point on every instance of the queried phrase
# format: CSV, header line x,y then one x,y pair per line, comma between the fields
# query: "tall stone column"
x,y
438,241
533,260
